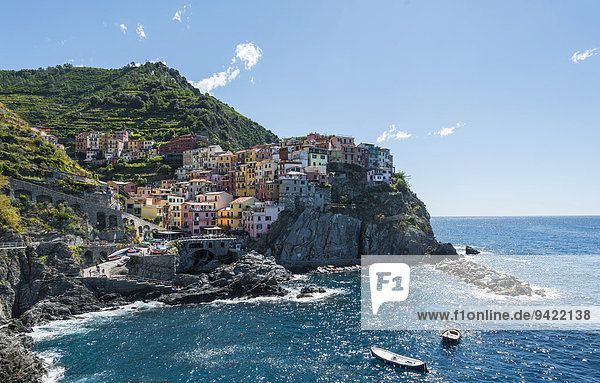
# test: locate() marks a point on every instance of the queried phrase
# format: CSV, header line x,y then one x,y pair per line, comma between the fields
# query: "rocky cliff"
x,y
361,219
35,286
39,284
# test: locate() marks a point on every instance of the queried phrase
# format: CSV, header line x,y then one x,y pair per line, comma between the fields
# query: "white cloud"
x,y
216,80
140,31
580,56
123,28
392,134
157,60
248,53
177,16
447,131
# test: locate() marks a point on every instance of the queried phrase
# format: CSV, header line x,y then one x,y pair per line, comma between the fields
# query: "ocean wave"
x,y
55,371
300,277
290,297
60,328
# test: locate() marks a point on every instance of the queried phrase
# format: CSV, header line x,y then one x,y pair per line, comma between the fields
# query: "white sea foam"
x,y
59,328
55,371
550,294
299,277
290,297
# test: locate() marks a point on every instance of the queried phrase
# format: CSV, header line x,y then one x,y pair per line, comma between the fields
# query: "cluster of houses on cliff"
x,y
245,191
102,147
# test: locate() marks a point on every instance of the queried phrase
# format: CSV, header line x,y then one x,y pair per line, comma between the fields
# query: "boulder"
x,y
253,275
308,291
17,362
470,250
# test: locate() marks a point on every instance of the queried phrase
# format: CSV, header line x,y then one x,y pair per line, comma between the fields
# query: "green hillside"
x,y
152,101
23,152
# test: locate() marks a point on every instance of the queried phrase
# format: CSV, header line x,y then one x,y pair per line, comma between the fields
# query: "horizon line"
x,y
509,215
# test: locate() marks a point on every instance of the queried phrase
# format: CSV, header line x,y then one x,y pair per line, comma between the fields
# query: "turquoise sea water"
x,y
288,340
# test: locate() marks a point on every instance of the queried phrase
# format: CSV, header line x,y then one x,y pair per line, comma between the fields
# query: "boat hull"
x,y
419,367
451,336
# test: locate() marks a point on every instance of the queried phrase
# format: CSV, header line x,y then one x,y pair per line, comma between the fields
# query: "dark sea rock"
x,y
472,251
487,279
253,275
17,362
441,249
308,291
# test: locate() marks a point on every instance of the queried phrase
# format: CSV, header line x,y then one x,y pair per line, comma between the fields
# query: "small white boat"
x,y
117,254
451,335
397,360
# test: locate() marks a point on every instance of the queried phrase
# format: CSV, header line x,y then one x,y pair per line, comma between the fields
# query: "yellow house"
x,y
240,180
103,142
174,204
245,156
131,145
250,179
150,209
231,216
225,162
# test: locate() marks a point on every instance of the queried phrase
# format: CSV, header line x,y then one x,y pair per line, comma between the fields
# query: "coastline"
x,y
54,329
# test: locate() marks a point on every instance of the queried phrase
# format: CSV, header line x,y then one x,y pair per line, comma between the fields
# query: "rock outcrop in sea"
x,y
361,219
487,279
253,275
471,251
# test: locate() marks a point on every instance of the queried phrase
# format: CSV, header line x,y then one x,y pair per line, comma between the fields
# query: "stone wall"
x,y
160,267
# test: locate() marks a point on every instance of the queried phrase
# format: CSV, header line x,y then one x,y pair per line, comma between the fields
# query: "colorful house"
x,y
259,218
231,216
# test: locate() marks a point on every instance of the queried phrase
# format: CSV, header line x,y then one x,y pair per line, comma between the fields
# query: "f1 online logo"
x,y
388,283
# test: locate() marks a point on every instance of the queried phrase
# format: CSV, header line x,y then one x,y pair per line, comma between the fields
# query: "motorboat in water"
x,y
451,336
397,360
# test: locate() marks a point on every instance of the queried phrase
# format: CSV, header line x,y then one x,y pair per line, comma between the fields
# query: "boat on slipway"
x,y
397,360
128,251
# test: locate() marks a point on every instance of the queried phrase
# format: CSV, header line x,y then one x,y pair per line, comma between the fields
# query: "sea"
x,y
320,339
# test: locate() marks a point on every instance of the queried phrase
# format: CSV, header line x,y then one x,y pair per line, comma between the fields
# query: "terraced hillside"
x,y
152,101
24,153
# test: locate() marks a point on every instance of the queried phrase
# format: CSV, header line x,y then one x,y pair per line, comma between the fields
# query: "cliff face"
x,y
35,284
361,219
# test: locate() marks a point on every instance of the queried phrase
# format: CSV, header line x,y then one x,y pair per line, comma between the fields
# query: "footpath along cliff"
x,y
360,219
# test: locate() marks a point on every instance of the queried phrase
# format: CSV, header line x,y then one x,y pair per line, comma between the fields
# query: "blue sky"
x,y
503,74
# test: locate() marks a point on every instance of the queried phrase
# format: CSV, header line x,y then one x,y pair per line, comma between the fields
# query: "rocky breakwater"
x,y
361,219
252,275
488,279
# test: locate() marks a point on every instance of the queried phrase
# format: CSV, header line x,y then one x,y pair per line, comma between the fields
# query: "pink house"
x,y
196,215
258,220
